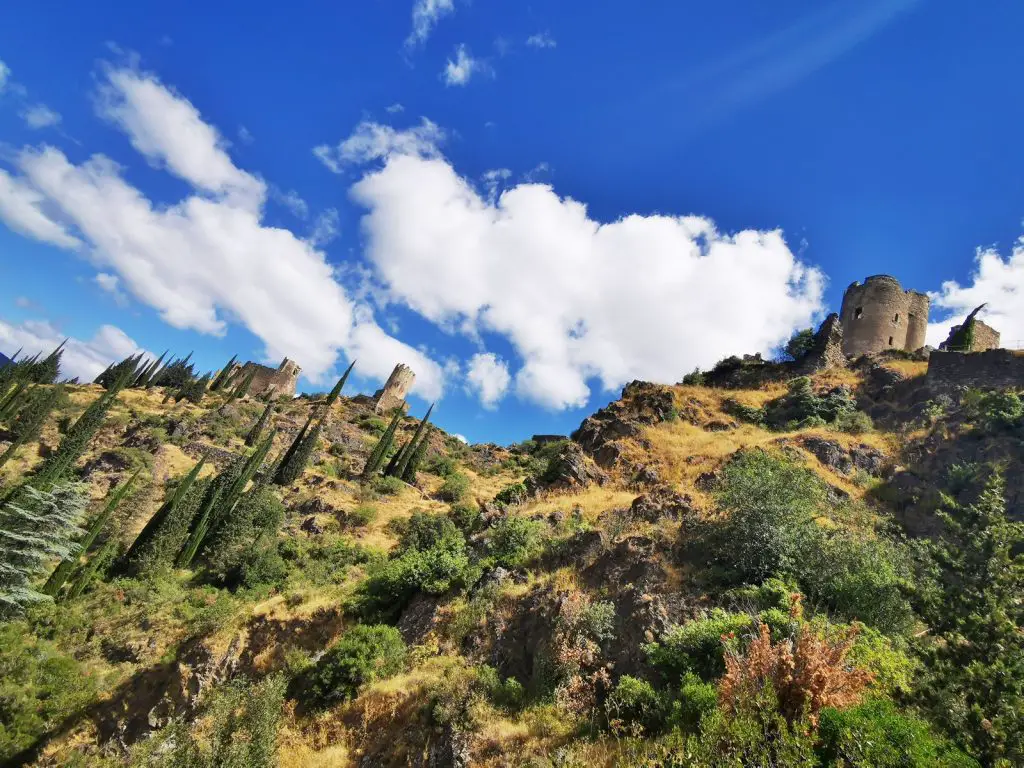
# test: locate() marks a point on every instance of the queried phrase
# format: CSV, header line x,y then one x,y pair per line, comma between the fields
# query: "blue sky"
x,y
530,203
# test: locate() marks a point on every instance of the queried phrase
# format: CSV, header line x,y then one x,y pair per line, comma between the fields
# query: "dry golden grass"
x,y
909,368
592,502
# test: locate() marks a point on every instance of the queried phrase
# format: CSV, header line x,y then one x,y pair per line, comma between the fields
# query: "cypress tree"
x,y
279,476
257,428
47,370
336,392
176,374
418,455
148,372
67,565
202,525
193,391
383,445
222,375
125,372
13,400
78,436
99,561
389,470
36,527
30,420
149,546
403,463
293,467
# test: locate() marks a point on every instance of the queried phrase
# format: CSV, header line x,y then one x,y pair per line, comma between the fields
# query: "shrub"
x,y
696,700
372,424
360,517
466,515
264,568
853,422
388,486
454,488
512,494
800,343
442,466
875,735
362,655
995,411
769,500
634,702
694,379
696,647
514,541
424,530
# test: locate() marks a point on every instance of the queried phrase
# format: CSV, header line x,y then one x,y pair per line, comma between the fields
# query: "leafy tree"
x,y
380,451
67,565
800,343
28,425
362,655
974,674
34,528
261,422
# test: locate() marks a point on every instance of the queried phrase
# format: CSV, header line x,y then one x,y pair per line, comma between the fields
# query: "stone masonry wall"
x,y
282,380
879,315
392,394
997,368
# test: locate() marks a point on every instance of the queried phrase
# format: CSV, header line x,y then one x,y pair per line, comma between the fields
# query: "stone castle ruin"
x,y
878,315
392,394
268,381
979,337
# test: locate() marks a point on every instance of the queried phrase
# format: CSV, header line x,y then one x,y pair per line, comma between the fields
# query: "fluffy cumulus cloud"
x,y
580,300
425,15
487,376
82,359
463,67
40,116
207,259
997,282
373,141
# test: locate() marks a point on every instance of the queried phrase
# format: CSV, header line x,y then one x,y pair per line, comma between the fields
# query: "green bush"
x,y
454,488
388,486
696,700
466,515
362,655
442,466
360,516
375,426
694,379
514,541
769,500
996,410
512,494
800,343
696,647
875,735
264,568
39,688
635,702
853,422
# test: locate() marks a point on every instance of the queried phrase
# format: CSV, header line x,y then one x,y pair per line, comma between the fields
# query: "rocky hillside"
x,y
753,568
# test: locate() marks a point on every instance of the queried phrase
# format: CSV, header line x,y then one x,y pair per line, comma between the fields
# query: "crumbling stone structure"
x,y
267,380
878,315
827,349
392,394
980,335
994,368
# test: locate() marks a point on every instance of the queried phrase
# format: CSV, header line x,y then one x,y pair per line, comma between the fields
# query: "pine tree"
x,y
380,451
332,398
403,463
293,467
67,565
78,436
36,527
143,379
257,428
222,375
285,461
125,372
392,466
30,420
176,374
154,544
13,400
47,370
418,455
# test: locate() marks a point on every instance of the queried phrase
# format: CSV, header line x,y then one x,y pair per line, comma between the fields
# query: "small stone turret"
x,y
879,315
392,394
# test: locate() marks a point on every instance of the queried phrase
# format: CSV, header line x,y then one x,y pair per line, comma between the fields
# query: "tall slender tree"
x,y
13,400
67,565
28,424
243,387
417,458
222,375
380,451
403,463
149,371
261,422
280,475
47,370
332,398
99,561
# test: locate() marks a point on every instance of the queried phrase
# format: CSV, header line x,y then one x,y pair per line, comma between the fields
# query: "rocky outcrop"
x,y
827,349
661,503
642,403
571,470
846,461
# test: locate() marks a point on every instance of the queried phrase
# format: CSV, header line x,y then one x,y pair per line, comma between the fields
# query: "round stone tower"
x,y
878,315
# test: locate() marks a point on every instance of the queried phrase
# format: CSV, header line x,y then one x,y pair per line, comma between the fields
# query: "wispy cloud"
x,y
394,109
463,67
425,15
40,116
541,40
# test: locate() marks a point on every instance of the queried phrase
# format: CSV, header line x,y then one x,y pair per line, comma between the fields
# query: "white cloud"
x,y
40,116
5,76
209,258
997,282
21,207
541,40
642,297
83,359
463,67
245,135
24,302
373,141
166,128
493,179
425,15
292,201
460,438
487,376
325,228
394,109
112,285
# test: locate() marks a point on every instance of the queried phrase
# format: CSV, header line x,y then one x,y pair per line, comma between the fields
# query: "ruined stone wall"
x,y
985,337
282,380
392,394
997,368
878,315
